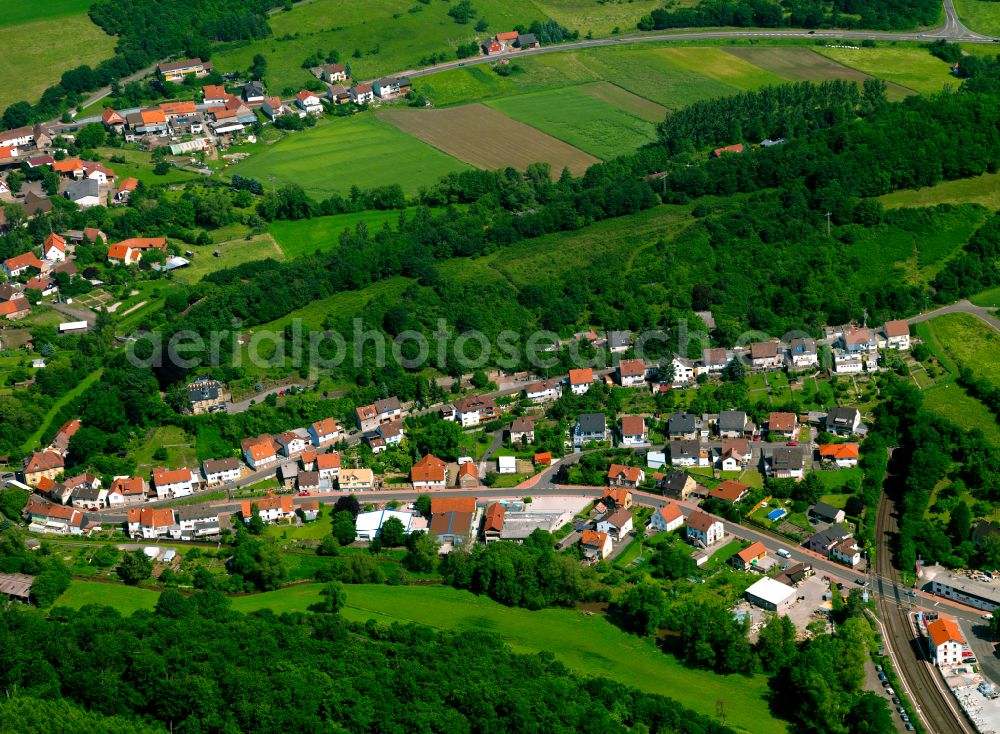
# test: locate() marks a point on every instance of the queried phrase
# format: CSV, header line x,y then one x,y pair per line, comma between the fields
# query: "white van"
x,y
783,553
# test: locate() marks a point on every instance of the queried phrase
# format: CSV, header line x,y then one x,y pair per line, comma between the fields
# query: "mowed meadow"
x,y
43,39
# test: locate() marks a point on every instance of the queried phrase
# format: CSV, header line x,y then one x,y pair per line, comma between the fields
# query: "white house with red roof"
x,y
45,517
897,334
667,518
54,248
151,523
174,482
945,641
362,94
260,452
130,251
271,508
704,529
113,120
309,102
15,266
324,432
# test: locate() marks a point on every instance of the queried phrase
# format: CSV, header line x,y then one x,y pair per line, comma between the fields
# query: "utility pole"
x,y
828,215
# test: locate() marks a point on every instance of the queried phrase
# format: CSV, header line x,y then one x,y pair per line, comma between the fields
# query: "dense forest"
x,y
887,15
310,672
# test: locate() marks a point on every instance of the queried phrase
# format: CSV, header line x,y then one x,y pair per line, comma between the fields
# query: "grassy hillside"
x,y
984,190
588,644
913,68
16,13
982,16
969,342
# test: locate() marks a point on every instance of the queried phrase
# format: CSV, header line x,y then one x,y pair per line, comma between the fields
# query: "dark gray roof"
x,y
527,39
87,492
732,420
388,405
842,415
787,458
196,512
803,346
592,423
619,339
214,466
84,188
674,481
824,510
682,423
832,534
685,448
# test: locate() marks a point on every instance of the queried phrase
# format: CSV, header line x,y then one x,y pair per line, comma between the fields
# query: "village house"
x,y
253,92
214,95
824,540
45,517
688,453
786,462
89,497
272,508
82,480
897,334
543,392
847,552
595,544
391,433
45,463
60,442
728,149
221,471
493,522
68,168
781,426
308,481
682,426
452,518
843,455
308,458
369,524
309,102
735,424
734,454
125,189
356,480
590,428
95,171
19,265
288,474
667,519
331,73
54,248
152,121
827,513
749,557
703,529
206,395
730,491
362,94
293,442
130,251
175,71
338,94
580,380
945,642
174,483
474,410
84,194
309,510
131,490
617,525
764,356
260,452
843,421
619,342
273,107
198,521
685,370
150,523
113,121
430,472
634,431
859,340
715,359
328,466
631,373
616,497
369,417
16,308
522,429
677,484
391,86
846,363
324,432
802,353
625,476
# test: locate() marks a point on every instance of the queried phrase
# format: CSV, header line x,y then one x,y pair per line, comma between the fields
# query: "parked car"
x,y
904,717
890,692
909,726
895,699
792,443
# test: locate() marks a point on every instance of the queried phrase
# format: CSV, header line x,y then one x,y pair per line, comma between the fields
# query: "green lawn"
x,y
983,190
715,63
580,119
126,599
315,530
35,438
139,164
970,342
987,298
41,41
980,15
232,253
834,479
952,402
913,68
358,151
179,446
306,236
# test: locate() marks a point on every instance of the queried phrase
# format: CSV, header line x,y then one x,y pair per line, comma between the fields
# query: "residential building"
x,y
175,71
293,442
580,380
704,529
46,463
309,102
362,94
62,438
734,149
847,552
688,453
619,342
631,373
16,266
677,484
339,94
113,120
272,508
802,353
683,426
824,541
206,395
331,73
847,363
844,455
308,481
522,429
84,194
260,452
764,356
634,432
391,86
543,392
309,510
590,428
392,433
366,417
730,491
843,421
324,432
150,523
253,92
369,524
897,334
130,251
89,497
356,480
715,359
221,471
596,545
54,248
771,595
288,474
527,40
859,340
328,465
827,513
131,490
735,424
174,483
198,521
468,475
616,497
273,107
734,454
625,476
667,519
617,525
685,370
430,472
781,426
45,517
16,308
473,410
493,521
749,557
945,642
214,95
786,462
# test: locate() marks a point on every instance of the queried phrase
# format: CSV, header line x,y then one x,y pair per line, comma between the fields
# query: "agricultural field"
x,y
231,254
913,68
601,18
984,190
969,342
139,164
800,64
987,298
982,16
362,150
715,63
486,138
42,45
583,120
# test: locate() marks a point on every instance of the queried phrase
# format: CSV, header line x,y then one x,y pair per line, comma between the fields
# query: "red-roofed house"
x,y
214,94
61,440
580,380
617,497
945,641
113,120
634,432
46,463
16,308
97,172
174,483
844,455
468,475
667,518
719,152
324,432
625,476
730,491
15,266
782,425
430,472
704,529
272,508
309,102
54,248
328,465
632,373
128,491
749,557
596,545
72,167
362,94
129,252
46,517
897,334
125,189
493,521
260,453
151,523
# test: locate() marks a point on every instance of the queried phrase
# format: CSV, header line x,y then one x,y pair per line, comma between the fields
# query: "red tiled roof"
x,y
670,512
151,517
28,258
327,461
214,91
729,491
752,552
128,184
14,305
43,461
284,503
325,427
593,538
430,469
468,469
69,165
440,505
543,457
737,148
839,450
896,328
943,630
581,376
495,514
631,368
128,486
782,422
112,117
629,473
164,476
633,425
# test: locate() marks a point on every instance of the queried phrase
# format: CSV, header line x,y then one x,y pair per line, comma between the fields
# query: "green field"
x,y
139,165
305,236
952,402
36,53
980,15
984,190
358,151
179,446
970,342
587,644
715,63
581,119
35,438
341,307
231,254
987,298
913,68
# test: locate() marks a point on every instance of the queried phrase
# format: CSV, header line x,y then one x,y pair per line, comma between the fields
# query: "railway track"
x,y
937,709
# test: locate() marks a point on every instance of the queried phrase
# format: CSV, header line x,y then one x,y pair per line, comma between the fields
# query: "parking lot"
x,y
808,598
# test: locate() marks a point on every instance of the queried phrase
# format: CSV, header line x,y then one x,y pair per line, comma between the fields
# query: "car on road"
x,y
860,582
910,593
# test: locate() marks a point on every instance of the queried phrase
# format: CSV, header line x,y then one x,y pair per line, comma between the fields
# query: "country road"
x,y
984,313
